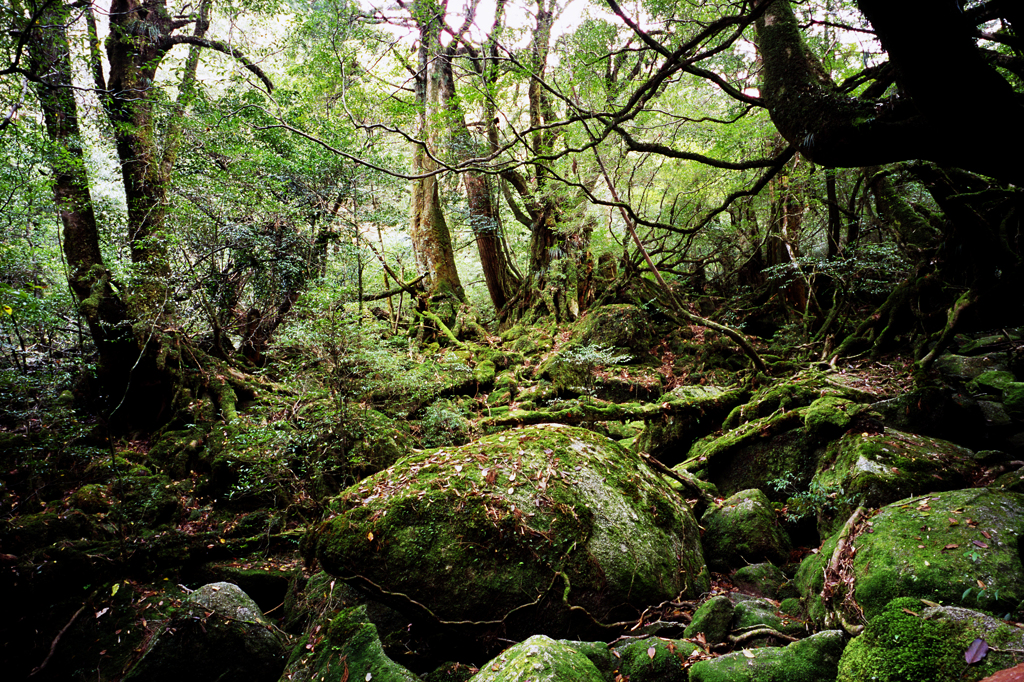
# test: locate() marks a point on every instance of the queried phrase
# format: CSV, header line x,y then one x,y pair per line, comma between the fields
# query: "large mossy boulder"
x,y
540,659
548,529
348,648
219,634
814,659
942,547
911,642
743,530
874,469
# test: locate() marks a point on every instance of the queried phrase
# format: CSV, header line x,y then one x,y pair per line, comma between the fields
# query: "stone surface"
x,y
814,659
539,659
219,634
936,547
713,618
874,469
536,530
347,648
911,642
743,530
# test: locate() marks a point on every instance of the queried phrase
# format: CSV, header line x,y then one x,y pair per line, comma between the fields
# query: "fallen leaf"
x,y
369,536
985,533
981,584
950,546
977,651
979,543
747,652
650,652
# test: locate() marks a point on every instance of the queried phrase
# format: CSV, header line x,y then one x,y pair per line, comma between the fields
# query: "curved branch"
x,y
221,46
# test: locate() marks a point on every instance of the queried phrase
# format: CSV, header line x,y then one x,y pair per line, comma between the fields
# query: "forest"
x,y
508,340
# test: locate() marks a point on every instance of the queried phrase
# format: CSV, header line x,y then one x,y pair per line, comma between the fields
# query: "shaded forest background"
x,y
259,249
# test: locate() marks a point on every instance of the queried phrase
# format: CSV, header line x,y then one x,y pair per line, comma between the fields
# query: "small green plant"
x,y
444,424
816,499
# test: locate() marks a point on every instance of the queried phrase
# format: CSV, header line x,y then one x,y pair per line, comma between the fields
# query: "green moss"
x,y
828,416
713,618
810,660
348,648
541,659
928,549
533,526
898,645
876,469
655,659
743,529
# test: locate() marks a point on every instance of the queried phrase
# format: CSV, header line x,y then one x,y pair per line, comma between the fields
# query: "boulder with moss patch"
x,y
814,659
937,547
655,659
713,618
548,529
874,469
743,530
348,648
911,642
219,634
764,580
540,659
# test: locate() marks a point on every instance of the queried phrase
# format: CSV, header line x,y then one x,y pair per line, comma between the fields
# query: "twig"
x,y
56,640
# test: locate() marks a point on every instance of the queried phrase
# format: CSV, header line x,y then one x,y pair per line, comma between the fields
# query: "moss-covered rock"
x,y
814,659
964,368
1013,399
544,529
755,454
874,469
92,498
742,530
668,440
753,613
654,659
540,659
991,382
764,580
348,648
219,634
935,411
713,618
910,642
828,416
937,548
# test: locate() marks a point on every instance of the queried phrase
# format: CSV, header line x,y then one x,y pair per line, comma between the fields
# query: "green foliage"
x,y
816,499
444,424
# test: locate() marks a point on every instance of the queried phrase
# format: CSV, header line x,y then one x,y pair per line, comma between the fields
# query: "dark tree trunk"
x,y
88,277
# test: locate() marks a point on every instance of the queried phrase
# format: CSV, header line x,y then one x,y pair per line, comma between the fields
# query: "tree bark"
x,y
88,277
428,227
955,104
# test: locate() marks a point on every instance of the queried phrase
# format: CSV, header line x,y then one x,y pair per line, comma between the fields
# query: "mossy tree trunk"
x,y
559,282
145,364
431,237
105,313
502,280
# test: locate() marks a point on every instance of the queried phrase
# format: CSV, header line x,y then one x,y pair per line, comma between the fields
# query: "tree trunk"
x,y
88,277
483,216
429,230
